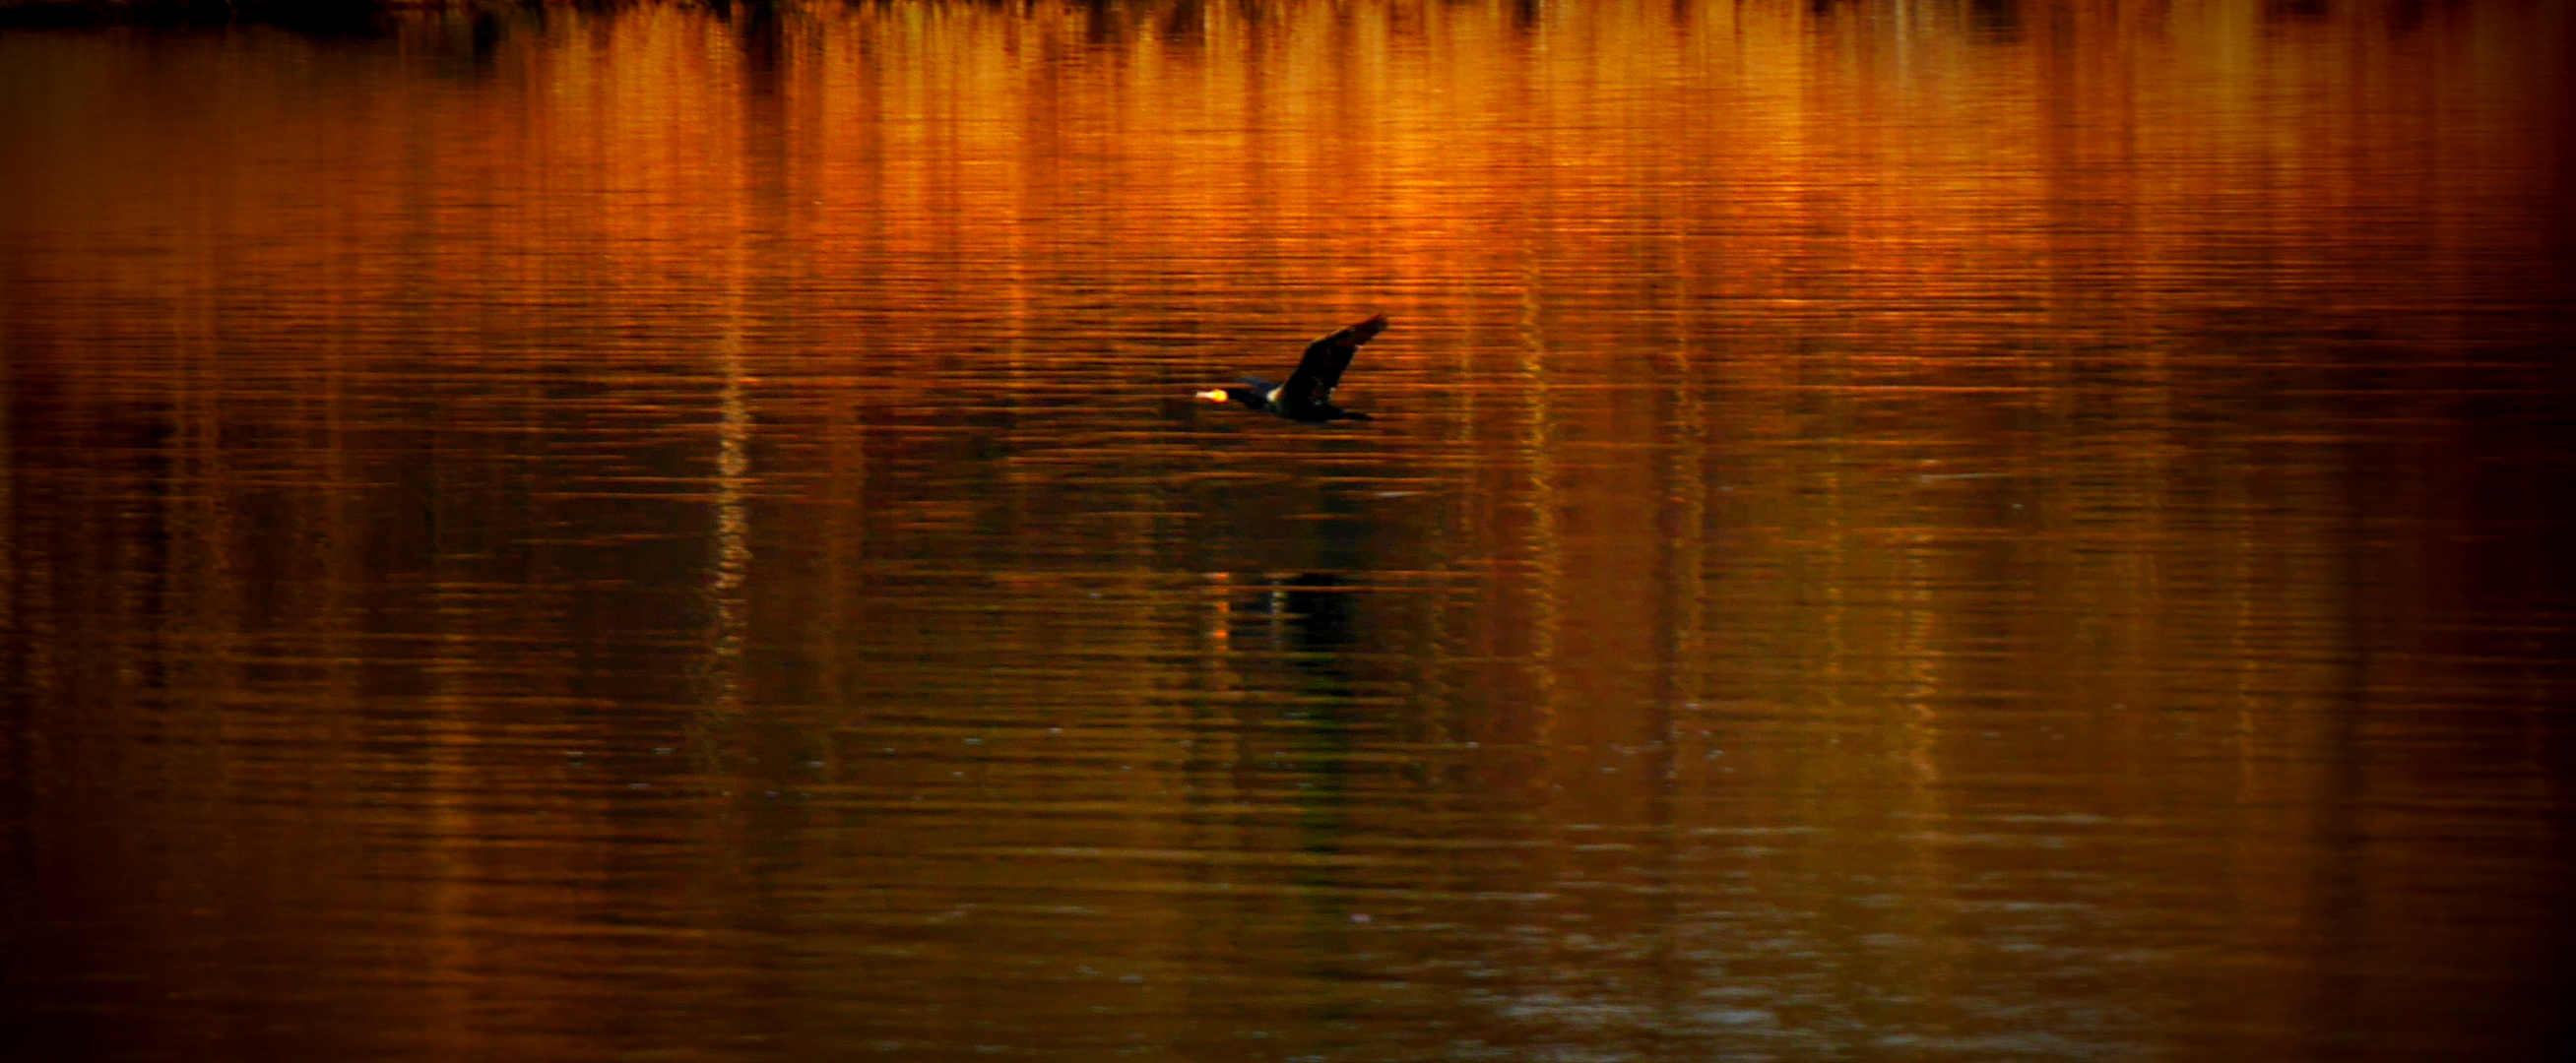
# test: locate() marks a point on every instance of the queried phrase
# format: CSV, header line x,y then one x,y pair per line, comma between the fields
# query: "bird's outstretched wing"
x,y
1325,360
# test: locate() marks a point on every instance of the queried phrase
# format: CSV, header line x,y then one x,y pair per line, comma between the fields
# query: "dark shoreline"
x,y
316,16
320,15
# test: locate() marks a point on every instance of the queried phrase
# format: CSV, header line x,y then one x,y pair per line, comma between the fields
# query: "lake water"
x,y
1891,531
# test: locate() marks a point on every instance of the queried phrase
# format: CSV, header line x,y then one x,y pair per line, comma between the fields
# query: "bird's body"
x,y
1307,396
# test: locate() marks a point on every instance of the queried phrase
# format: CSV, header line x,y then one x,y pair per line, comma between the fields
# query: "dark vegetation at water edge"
x,y
79,13
317,15
321,16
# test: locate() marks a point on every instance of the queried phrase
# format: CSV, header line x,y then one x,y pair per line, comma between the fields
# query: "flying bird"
x,y
1308,394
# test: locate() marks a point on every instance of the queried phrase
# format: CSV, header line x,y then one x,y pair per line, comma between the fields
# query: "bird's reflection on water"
x,y
1302,625
1286,637
1309,611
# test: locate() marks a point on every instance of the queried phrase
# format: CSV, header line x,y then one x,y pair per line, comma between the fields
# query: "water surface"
x,y
1892,531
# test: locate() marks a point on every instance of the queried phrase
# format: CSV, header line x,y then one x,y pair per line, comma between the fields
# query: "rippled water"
x,y
1891,531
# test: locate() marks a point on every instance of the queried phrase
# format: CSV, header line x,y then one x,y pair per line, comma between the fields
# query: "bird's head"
x,y
1215,395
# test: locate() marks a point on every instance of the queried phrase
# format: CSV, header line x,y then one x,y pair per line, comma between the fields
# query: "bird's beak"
x,y
1213,395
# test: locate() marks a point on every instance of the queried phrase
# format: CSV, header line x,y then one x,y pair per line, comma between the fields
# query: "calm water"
x,y
1894,531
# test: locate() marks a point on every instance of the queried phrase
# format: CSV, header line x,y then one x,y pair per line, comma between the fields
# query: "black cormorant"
x,y
1307,396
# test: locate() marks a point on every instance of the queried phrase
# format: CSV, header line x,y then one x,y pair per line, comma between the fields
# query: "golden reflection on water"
x,y
1895,529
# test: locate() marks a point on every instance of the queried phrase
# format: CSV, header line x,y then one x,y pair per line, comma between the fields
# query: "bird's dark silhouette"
x,y
1308,394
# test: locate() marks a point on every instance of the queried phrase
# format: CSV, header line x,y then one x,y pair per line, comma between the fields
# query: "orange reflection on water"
x,y
1934,520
